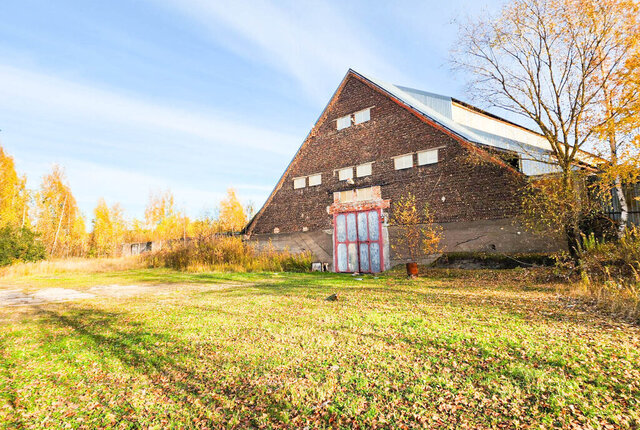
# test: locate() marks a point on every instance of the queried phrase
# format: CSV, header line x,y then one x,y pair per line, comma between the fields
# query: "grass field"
x,y
457,349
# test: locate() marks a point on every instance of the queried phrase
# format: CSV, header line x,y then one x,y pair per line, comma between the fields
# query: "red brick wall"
x,y
473,187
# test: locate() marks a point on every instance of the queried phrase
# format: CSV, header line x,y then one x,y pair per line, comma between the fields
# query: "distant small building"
x,y
376,141
137,248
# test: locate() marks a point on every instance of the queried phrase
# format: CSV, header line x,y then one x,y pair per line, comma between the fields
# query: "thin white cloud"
x,y
306,40
54,99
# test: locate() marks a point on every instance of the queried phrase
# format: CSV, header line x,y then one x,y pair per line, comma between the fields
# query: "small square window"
x,y
403,162
362,116
346,173
299,183
427,157
315,180
363,170
344,122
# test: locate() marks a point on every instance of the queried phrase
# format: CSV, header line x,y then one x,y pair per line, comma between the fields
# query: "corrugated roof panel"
x,y
538,167
437,102
471,118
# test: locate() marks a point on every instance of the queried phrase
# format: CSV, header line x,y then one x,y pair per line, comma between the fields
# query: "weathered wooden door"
x,y
358,241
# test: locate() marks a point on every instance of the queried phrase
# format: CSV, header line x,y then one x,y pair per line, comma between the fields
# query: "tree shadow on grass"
x,y
9,394
170,365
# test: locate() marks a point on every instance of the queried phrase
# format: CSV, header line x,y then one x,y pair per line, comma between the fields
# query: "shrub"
x,y
418,235
19,244
224,253
610,271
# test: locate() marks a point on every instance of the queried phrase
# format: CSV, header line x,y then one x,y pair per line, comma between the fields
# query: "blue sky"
x,y
195,95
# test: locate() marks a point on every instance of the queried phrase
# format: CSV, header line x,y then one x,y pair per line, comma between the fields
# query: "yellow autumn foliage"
x,y
59,220
14,197
109,228
164,221
232,215
417,234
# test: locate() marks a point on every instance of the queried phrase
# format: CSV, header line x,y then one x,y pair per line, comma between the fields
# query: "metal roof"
x,y
437,102
440,108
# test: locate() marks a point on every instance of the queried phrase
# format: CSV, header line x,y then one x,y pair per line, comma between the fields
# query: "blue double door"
x,y
358,241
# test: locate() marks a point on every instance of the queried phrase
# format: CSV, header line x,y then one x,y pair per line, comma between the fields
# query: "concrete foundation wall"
x,y
500,236
492,236
319,243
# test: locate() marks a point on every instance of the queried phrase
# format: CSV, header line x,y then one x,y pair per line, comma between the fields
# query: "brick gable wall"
x,y
473,187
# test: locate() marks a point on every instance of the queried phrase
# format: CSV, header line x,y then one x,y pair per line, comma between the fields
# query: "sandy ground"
x,y
120,290
16,297
49,295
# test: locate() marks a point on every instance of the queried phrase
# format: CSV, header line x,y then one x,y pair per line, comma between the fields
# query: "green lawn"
x,y
448,350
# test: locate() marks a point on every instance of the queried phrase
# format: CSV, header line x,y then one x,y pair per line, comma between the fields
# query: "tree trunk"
x,y
624,207
573,237
572,229
55,239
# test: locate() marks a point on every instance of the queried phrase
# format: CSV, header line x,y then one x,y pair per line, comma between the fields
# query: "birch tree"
x,y
59,220
109,228
621,132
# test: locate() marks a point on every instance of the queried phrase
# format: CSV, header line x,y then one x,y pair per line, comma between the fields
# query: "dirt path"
x,y
15,297
18,297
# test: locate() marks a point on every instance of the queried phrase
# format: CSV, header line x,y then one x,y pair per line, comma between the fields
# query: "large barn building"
x,y
373,143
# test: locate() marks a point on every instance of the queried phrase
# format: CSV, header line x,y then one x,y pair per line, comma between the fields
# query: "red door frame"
x,y
357,241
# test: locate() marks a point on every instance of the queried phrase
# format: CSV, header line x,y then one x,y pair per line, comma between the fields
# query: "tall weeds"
x,y
86,265
227,254
610,272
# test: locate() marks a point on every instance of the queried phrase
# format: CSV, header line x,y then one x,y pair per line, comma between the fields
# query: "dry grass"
x,y
615,297
71,265
228,254
610,273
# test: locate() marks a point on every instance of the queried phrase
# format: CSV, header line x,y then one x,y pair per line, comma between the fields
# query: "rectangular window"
x,y
344,196
364,194
363,170
344,122
427,157
346,173
363,116
299,183
356,195
403,162
315,180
